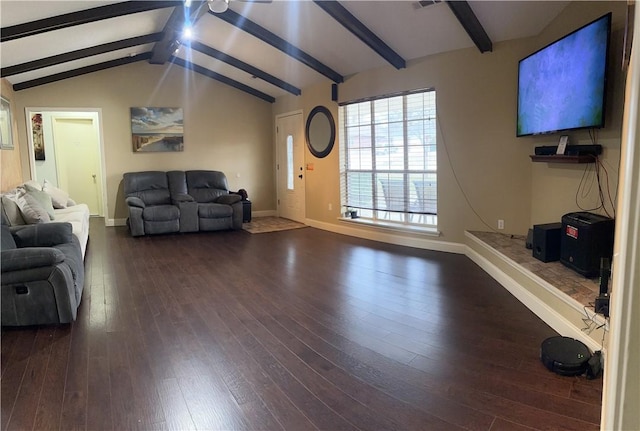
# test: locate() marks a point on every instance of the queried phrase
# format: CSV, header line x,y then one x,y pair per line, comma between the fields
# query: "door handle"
x,y
300,176
94,177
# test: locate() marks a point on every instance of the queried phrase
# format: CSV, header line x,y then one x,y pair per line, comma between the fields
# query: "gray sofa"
x,y
180,201
42,274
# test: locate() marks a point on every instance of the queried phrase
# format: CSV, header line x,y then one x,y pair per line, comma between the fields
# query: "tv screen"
x,y
562,86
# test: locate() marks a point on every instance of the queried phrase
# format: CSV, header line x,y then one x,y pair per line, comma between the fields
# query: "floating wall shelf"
x,y
560,158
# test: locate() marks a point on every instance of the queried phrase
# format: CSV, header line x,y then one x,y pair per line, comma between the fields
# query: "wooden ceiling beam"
x,y
361,31
277,42
81,71
79,54
82,17
221,78
239,64
469,21
182,16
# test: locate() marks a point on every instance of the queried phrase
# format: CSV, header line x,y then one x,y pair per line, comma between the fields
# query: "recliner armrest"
x,y
133,201
30,257
42,234
181,197
228,199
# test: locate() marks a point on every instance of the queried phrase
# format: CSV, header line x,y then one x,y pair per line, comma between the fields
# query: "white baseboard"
x,y
387,237
540,308
111,222
266,213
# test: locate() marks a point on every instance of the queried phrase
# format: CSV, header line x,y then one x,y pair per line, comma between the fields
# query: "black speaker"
x,y
334,92
586,238
528,244
546,241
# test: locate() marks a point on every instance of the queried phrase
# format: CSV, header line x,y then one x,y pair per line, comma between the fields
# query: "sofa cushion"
x,y
214,211
161,213
78,216
150,186
206,186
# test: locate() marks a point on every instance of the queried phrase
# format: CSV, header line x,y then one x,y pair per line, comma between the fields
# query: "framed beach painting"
x,y
157,129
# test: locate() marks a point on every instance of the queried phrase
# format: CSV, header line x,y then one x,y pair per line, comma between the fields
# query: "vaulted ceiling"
x,y
266,48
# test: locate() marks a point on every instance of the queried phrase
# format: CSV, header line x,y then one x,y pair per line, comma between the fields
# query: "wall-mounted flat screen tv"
x,y
562,86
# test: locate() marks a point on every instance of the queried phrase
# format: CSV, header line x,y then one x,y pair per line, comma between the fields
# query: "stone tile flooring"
x,y
583,290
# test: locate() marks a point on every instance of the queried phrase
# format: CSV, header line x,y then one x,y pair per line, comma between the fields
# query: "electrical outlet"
x,y
500,224
330,207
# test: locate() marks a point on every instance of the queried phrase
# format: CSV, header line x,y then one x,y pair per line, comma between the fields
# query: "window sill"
x,y
393,226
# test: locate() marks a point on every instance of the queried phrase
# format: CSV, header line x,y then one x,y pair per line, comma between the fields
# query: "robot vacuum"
x,y
565,356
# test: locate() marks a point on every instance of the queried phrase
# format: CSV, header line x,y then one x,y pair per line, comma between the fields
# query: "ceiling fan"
x,y
220,6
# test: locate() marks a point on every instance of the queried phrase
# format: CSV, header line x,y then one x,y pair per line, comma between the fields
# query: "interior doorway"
x,y
290,166
65,148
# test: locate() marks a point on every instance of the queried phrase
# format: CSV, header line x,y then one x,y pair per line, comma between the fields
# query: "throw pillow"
x,y
11,210
59,197
32,211
44,200
32,185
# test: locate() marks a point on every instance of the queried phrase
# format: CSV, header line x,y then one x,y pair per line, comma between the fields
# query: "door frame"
x,y
93,113
304,198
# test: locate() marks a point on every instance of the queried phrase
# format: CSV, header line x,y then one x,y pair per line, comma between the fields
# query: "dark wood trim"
x,y
81,71
165,48
79,54
463,12
219,55
172,31
82,17
361,31
225,80
277,42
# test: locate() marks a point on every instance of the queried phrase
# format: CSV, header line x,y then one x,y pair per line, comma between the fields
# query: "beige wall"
x,y
321,183
10,159
554,186
476,97
225,129
485,173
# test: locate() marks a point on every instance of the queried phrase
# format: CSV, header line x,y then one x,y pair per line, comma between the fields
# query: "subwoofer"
x,y
546,241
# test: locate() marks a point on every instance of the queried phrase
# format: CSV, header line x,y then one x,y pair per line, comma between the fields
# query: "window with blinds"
x,y
388,168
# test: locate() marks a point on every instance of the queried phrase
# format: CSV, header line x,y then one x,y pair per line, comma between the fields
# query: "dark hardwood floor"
x,y
294,330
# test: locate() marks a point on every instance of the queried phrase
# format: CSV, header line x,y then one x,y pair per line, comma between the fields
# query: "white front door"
x,y
290,166
77,144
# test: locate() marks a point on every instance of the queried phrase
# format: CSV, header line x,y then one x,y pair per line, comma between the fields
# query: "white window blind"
x,y
388,157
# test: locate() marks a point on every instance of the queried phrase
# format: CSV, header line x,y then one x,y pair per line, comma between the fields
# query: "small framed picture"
x,y
562,145
6,132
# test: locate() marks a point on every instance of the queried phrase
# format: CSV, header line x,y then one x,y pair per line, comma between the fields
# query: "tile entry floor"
x,y
582,289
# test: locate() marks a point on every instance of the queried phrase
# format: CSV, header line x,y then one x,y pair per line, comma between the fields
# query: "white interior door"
x,y
77,143
290,166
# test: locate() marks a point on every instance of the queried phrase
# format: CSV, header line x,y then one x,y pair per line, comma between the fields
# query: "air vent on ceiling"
x,y
425,3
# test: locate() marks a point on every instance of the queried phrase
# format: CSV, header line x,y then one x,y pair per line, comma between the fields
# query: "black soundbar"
x,y
571,150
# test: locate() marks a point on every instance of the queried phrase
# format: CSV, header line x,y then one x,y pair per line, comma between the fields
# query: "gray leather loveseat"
x,y
180,201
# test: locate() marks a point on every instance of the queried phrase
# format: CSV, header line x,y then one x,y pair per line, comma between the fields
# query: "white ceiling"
x,y
410,30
